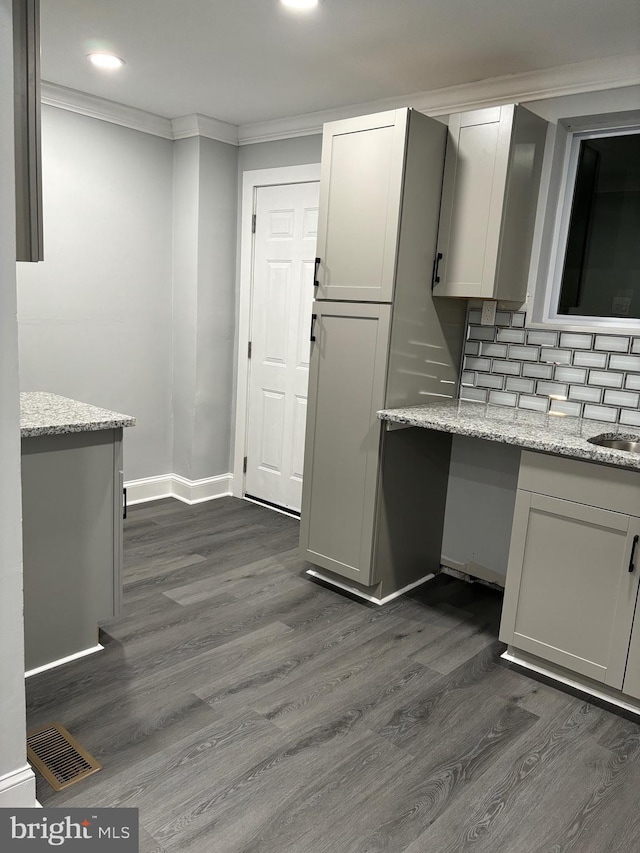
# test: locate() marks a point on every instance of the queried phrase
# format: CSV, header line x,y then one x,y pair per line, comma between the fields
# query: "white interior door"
x,y
282,295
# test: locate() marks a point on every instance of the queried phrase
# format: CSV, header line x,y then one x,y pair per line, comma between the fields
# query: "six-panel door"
x,y
360,197
569,595
346,388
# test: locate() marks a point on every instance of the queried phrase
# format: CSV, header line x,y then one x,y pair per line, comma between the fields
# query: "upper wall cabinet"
x,y
26,65
489,199
360,195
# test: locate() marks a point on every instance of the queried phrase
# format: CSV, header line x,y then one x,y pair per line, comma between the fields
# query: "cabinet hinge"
x,y
249,350
244,465
253,224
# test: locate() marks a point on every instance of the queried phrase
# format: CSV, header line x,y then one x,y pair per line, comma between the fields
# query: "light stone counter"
x,y
42,413
563,436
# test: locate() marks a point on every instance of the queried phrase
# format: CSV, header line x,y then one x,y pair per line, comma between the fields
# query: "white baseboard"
x,y
562,676
54,663
175,486
18,789
354,590
196,491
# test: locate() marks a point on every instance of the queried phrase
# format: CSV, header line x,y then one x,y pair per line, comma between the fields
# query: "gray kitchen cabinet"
x,y
346,389
570,593
380,340
489,199
361,182
72,541
28,157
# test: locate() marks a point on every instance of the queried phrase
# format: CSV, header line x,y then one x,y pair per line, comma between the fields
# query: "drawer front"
x,y
584,482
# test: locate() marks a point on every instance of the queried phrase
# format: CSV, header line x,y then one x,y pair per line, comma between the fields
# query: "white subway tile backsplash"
x,y
611,343
570,374
489,380
510,368
523,386
552,389
563,407
605,378
510,336
495,350
600,413
481,333
590,359
576,340
483,364
542,338
585,393
624,362
632,381
479,395
630,417
629,399
555,356
538,371
535,404
562,373
524,353
503,398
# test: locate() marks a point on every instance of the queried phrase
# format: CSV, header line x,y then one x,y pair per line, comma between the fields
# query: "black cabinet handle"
x,y
312,337
633,552
316,267
435,278
124,498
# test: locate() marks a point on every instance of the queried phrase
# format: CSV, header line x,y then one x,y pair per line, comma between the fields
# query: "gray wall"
x,y
96,315
12,703
205,200
282,152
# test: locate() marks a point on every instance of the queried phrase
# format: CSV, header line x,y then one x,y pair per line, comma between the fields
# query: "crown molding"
x,y
199,125
104,110
573,79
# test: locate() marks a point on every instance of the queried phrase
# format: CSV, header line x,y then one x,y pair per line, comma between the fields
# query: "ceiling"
x,y
247,61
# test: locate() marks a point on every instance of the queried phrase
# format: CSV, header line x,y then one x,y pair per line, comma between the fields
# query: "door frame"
x,y
251,181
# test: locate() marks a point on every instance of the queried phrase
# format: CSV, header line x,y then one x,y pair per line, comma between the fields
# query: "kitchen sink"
x,y
617,441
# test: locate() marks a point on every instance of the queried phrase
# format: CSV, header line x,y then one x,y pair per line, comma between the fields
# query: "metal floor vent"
x,y
59,757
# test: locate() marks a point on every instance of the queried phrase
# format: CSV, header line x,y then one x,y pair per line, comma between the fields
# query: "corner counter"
x,y
72,507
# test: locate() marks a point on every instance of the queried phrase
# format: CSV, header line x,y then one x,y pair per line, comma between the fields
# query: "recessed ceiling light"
x,y
106,60
300,4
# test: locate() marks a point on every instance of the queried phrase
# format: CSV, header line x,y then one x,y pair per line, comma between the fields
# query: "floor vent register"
x,y
59,757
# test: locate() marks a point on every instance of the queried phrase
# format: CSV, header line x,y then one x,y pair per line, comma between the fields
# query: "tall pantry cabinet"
x,y
373,500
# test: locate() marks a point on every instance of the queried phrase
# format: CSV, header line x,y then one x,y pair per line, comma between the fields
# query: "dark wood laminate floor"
x,y
245,709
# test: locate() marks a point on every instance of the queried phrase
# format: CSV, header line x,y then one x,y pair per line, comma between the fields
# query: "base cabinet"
x,y
573,573
72,541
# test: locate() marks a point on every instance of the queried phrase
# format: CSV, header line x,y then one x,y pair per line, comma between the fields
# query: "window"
x,y
596,274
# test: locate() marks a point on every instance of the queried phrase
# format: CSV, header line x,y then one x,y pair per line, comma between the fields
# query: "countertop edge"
x,y
551,445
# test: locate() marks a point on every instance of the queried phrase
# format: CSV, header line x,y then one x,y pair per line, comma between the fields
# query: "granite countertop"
x,y
48,414
563,436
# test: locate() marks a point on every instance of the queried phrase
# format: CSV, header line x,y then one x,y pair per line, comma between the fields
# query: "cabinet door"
x,y
569,595
360,195
475,176
631,684
346,388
